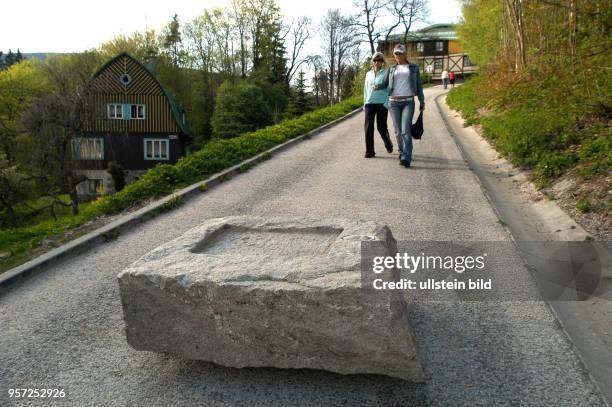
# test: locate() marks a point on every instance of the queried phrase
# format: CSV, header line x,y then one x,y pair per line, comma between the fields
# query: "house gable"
x,y
124,82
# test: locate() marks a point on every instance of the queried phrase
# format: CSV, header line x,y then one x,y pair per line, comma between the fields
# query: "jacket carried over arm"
x,y
415,82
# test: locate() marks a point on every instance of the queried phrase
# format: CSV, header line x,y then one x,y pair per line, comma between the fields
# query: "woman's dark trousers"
x,y
379,112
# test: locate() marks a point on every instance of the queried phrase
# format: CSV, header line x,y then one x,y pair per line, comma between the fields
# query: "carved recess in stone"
x,y
242,291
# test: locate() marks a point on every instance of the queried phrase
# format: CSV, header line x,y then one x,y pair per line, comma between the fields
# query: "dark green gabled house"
x,y
436,46
129,118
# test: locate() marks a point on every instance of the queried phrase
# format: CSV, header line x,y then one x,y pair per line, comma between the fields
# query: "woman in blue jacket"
x,y
403,83
375,106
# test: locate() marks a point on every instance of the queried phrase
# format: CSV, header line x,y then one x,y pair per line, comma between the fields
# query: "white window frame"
x,y
95,144
420,47
114,111
467,61
439,46
144,112
160,143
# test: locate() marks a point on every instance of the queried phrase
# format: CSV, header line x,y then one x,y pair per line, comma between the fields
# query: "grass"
x,y
171,204
584,205
546,131
25,242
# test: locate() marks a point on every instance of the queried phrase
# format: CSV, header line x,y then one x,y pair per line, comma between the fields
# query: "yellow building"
x,y
436,46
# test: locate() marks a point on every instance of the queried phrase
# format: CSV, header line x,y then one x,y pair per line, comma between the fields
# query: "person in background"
x,y
375,106
451,77
445,78
403,81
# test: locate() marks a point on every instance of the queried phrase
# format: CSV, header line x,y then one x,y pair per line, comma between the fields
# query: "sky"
x,y
78,25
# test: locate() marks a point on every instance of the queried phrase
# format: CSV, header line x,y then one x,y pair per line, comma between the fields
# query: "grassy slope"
x,y
538,126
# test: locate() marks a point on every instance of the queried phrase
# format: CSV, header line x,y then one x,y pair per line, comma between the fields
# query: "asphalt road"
x,y
64,328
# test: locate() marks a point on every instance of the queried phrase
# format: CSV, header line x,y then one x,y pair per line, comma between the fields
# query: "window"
x,y
137,112
115,111
88,148
466,61
439,46
125,79
438,64
94,187
420,47
156,149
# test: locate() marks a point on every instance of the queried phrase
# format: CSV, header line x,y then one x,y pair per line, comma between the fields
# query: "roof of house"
x,y
177,109
434,32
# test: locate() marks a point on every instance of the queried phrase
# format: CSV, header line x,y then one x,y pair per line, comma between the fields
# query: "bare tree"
x,y
340,36
348,43
330,25
407,13
514,14
300,33
369,11
240,16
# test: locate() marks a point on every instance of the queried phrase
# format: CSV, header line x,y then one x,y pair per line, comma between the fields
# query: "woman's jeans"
x,y
401,114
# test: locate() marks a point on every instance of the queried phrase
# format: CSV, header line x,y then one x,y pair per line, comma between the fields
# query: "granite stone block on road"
x,y
242,291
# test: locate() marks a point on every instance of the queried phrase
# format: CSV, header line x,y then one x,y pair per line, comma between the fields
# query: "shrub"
x,y
170,204
584,205
117,174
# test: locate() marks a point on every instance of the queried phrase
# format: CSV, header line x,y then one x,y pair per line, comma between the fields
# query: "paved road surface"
x,y
65,327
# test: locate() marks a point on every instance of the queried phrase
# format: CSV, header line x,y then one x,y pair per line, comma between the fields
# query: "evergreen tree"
x,y
268,45
172,41
18,56
2,64
278,50
9,59
298,104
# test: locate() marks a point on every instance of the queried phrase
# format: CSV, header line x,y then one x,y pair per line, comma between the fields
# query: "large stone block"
x,y
286,293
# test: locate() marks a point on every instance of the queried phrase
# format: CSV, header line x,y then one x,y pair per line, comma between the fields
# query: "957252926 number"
x,y
24,393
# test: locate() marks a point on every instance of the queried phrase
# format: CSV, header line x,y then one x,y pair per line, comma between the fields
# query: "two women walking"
x,y
394,89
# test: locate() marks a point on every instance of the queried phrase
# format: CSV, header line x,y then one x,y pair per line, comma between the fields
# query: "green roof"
x,y
436,32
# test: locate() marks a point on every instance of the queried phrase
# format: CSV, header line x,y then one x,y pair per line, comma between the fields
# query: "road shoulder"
x,y
530,217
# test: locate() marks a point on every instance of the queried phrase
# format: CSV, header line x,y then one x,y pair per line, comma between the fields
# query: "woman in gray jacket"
x,y
404,83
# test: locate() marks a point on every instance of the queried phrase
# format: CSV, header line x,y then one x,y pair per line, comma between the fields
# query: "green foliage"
x,y
584,205
171,204
172,42
298,103
468,100
117,174
596,152
246,106
479,30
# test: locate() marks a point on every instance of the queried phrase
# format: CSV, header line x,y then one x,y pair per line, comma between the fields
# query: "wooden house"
x,y
129,118
436,46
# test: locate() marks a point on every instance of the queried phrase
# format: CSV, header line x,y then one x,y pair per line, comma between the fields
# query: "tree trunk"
x,y
74,201
514,10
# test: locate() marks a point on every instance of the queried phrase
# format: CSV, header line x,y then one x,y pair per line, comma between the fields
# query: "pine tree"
x,y
278,51
18,56
9,59
2,64
298,104
172,41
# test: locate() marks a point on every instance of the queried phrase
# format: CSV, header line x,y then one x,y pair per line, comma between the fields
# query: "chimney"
x,y
150,61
